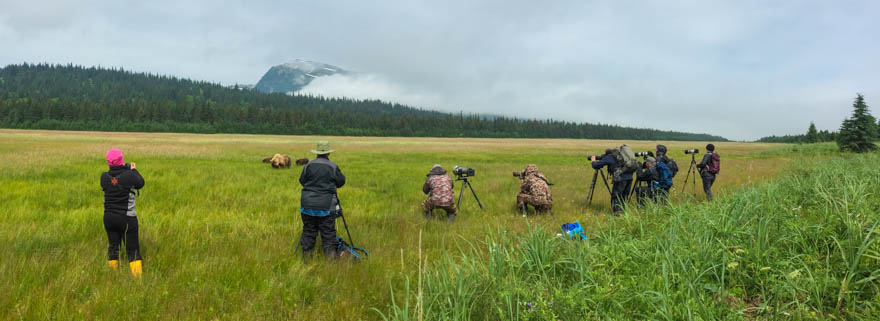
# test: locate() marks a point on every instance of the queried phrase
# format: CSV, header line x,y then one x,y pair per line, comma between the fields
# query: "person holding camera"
x,y
669,163
120,184
621,183
709,167
648,173
319,205
439,188
534,189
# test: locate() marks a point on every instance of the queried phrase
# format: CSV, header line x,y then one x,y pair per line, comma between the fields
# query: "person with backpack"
x,y
619,162
439,187
120,184
319,205
709,167
669,163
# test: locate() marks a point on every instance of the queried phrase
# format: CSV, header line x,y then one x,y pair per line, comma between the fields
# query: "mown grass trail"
x,y
218,227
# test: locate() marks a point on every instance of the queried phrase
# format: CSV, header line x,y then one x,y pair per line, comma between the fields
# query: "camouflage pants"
x,y
429,206
541,205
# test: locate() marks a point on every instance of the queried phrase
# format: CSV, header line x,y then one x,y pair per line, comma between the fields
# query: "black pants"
x,y
312,226
619,194
116,226
708,180
645,193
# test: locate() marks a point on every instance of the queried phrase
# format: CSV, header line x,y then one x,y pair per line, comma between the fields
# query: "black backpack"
x,y
672,165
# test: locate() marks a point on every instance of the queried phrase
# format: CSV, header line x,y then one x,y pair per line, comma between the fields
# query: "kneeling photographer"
x,y
534,189
439,187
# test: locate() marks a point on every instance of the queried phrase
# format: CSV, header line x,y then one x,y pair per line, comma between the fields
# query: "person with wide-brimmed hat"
x,y
319,205
120,218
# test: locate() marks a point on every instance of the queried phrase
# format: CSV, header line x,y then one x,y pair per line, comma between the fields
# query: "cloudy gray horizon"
x,y
739,69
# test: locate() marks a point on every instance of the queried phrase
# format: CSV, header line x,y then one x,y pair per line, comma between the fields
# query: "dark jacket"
x,y
649,174
611,162
119,184
704,164
434,171
320,178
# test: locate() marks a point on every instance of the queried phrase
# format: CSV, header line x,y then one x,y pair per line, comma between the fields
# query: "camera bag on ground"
x,y
354,252
626,161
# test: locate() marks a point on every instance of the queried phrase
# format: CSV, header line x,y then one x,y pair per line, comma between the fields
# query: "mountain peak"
x,y
292,76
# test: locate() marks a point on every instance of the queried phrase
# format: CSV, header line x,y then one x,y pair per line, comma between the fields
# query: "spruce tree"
x,y
812,134
857,133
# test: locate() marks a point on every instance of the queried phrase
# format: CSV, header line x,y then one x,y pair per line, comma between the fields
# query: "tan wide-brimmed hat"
x,y
323,148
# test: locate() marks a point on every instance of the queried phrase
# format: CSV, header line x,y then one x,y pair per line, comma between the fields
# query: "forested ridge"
x,y
69,97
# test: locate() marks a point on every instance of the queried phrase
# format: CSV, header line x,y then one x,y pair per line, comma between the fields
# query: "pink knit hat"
x,y
114,157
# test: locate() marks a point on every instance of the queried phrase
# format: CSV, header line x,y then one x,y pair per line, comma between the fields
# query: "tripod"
x,y
465,185
593,185
692,174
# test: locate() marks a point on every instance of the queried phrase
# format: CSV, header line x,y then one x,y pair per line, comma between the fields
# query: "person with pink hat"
x,y
120,184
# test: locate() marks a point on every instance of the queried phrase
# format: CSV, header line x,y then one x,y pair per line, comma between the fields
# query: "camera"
x,y
691,151
645,154
463,171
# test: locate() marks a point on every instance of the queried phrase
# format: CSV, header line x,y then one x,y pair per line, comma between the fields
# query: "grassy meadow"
x,y
218,229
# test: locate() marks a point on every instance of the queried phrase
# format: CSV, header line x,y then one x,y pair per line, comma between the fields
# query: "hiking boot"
x,y
113,264
136,268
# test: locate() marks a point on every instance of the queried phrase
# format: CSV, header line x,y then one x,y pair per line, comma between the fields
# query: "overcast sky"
x,y
740,69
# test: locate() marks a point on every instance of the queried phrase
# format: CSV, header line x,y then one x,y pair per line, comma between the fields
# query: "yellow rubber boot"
x,y
136,268
113,264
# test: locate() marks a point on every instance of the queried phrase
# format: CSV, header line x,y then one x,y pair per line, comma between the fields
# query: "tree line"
x,y
69,97
857,133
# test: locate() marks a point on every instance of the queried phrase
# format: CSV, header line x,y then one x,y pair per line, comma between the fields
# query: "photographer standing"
x,y
120,218
319,205
669,163
709,167
439,187
534,189
621,184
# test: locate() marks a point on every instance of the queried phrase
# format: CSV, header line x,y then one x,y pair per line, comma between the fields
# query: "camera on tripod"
x,y
691,151
463,172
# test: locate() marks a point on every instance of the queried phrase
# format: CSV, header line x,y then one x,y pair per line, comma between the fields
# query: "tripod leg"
x,y
461,193
592,188
605,180
471,187
345,224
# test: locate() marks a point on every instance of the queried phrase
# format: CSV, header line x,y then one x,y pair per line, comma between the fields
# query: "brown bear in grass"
x,y
302,161
278,161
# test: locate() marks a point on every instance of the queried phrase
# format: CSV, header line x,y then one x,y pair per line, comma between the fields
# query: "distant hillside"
x,y
291,77
77,98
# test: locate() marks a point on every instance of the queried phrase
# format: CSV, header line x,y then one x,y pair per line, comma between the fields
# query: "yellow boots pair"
x,y
136,267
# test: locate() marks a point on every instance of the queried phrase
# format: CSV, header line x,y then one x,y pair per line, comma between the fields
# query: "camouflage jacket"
x,y
535,185
439,186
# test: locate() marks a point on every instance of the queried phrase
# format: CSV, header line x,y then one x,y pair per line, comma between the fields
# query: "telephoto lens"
x,y
691,151
643,154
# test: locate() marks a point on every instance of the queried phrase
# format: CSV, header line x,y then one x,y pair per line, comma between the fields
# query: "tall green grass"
x,y
801,247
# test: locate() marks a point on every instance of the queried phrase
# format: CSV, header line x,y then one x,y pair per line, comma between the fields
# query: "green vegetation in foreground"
x,y
801,247
76,98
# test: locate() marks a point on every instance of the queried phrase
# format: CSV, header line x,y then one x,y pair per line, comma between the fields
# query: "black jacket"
x,y
119,184
320,178
611,162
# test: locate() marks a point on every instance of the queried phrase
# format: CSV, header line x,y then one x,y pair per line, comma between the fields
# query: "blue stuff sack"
x,y
574,230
